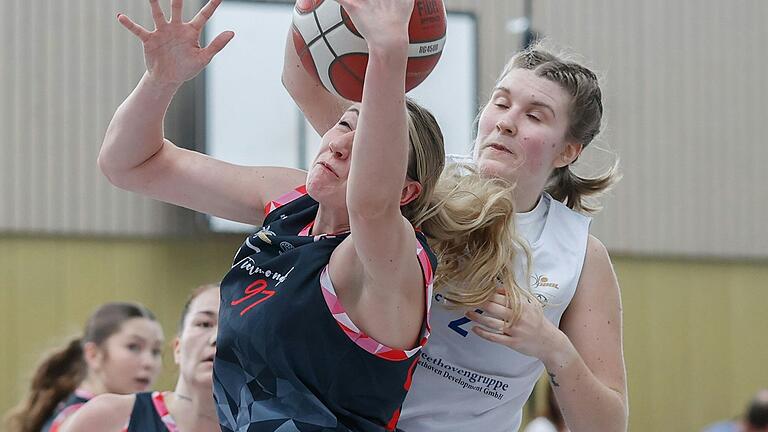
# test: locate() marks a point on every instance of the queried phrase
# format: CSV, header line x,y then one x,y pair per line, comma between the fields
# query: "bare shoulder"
x,y
597,255
107,412
593,319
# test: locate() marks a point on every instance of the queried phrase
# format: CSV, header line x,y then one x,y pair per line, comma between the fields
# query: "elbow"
x,y
112,175
116,175
107,168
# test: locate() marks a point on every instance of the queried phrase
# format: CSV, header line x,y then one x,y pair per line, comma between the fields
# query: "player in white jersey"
x,y
477,375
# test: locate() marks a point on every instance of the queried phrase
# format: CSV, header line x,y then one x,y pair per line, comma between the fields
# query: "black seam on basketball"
x,y
333,53
306,47
426,56
323,32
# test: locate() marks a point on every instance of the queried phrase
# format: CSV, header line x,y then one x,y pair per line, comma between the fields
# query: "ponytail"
x,y
472,231
580,193
56,378
62,372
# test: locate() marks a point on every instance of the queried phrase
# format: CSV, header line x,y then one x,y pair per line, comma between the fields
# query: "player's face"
x,y
130,360
327,177
195,348
521,131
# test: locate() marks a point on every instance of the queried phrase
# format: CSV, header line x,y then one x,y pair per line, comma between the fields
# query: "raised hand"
x,y
172,52
380,21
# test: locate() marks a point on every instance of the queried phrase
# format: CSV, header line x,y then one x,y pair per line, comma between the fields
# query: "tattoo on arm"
x,y
552,379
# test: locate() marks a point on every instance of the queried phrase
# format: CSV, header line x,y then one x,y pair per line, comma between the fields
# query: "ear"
x,y
93,355
570,152
411,191
176,350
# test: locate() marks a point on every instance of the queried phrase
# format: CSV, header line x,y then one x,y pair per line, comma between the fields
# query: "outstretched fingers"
x,y
176,11
139,31
217,44
157,14
205,14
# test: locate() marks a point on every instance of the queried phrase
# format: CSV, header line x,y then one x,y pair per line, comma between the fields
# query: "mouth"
x,y
208,359
498,147
329,168
143,382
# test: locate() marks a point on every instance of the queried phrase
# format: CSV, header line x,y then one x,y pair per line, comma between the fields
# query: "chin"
x,y
496,168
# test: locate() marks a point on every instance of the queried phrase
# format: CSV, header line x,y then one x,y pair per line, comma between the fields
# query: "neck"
x,y
193,408
93,385
526,202
527,192
330,221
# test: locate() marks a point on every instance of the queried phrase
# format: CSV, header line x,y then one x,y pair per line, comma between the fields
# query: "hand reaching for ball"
x,y
380,22
172,52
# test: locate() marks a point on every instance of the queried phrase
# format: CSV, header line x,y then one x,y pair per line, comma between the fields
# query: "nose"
x,y
341,147
506,126
149,361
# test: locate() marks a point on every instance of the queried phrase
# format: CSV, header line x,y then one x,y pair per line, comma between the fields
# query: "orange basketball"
x,y
332,50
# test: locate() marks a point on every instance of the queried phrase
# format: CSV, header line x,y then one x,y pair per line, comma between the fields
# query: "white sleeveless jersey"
x,y
466,383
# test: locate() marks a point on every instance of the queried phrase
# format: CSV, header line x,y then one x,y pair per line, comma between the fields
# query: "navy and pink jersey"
x,y
65,409
288,357
150,414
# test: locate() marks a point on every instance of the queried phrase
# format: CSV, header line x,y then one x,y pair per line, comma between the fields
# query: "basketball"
x,y
332,50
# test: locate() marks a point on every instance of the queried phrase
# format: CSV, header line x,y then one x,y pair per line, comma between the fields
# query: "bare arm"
x,y
383,239
585,359
321,108
589,368
105,413
136,156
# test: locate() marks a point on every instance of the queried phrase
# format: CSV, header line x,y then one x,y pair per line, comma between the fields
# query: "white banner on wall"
x,y
251,120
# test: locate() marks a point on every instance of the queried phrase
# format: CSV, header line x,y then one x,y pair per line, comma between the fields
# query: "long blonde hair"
x,y
468,219
471,228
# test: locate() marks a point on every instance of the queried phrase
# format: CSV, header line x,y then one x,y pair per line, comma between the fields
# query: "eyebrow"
x,y
534,103
206,312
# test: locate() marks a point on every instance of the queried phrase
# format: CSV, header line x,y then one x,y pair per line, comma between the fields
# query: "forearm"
x,y
135,133
587,404
380,152
320,107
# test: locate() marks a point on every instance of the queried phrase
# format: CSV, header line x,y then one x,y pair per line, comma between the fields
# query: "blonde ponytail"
x,y
471,229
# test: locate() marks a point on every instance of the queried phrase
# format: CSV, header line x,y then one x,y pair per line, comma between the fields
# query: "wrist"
x,y
159,88
560,352
395,45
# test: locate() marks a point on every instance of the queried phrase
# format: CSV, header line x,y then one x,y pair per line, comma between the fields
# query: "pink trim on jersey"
x,y
361,339
285,199
68,411
63,415
158,400
84,394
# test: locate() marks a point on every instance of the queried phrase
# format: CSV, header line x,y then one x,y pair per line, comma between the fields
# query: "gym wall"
x,y
683,94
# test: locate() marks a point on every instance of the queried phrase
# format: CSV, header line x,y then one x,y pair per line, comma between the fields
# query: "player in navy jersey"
x,y
326,306
190,407
118,352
